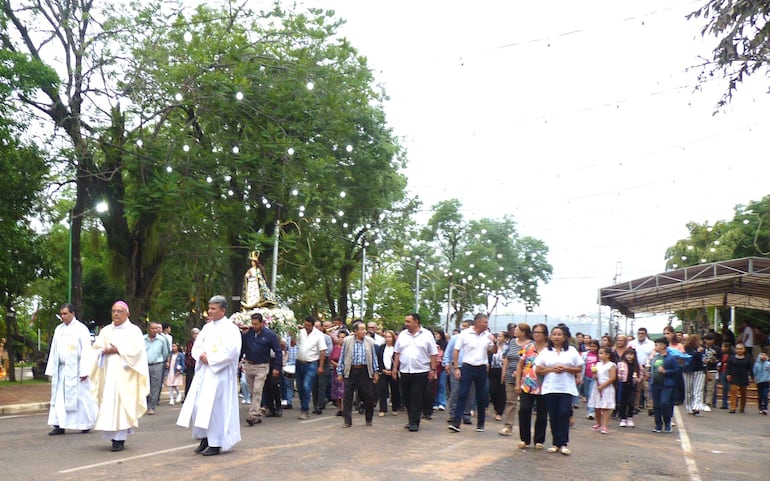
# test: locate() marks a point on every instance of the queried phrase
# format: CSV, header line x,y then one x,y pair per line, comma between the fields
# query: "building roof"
x,y
736,282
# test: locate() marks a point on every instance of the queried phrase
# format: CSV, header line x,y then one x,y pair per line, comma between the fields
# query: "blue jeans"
x,y
663,403
287,389
478,376
559,406
245,388
306,374
762,390
588,386
725,389
441,392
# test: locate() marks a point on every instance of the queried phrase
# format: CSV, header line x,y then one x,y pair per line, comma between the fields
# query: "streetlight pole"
x,y
417,285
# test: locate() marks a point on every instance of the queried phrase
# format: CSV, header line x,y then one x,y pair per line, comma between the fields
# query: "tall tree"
x,y
24,168
484,261
742,29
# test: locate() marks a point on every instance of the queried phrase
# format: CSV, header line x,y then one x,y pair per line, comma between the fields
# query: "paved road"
x,y
718,446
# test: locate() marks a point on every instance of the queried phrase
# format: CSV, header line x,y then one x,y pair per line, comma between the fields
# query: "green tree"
x,y
484,262
742,30
22,249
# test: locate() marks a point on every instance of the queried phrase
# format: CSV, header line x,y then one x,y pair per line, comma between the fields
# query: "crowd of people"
x,y
523,372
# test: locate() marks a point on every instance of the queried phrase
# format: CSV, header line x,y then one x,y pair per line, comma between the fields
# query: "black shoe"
x,y
317,411
270,414
427,417
85,431
467,420
56,431
211,451
413,428
408,426
278,413
347,425
288,406
339,413
454,427
202,446
117,445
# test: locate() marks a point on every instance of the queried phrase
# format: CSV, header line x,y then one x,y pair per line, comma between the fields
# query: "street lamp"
x,y
100,208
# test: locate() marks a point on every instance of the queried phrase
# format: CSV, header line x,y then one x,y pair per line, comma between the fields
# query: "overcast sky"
x,y
579,118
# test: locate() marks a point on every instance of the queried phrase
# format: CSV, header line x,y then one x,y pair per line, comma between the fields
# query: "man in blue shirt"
x,y
358,369
256,345
157,353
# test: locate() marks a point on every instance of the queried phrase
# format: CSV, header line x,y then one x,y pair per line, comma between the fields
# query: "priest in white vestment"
x,y
69,365
212,403
120,377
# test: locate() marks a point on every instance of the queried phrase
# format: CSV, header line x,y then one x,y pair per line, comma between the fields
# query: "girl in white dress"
x,y
603,393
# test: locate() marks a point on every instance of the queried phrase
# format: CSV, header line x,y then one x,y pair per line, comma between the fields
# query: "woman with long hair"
x,y
529,390
387,387
559,364
694,376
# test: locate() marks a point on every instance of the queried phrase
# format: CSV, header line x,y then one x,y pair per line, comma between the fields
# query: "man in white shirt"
x,y
311,357
415,361
475,343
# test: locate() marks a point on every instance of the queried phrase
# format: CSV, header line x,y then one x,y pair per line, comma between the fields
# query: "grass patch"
x,y
4,384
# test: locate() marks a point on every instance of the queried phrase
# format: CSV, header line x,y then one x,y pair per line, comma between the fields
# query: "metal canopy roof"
x,y
737,282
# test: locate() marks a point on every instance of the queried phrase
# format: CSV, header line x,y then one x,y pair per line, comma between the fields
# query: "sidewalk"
x,y
24,397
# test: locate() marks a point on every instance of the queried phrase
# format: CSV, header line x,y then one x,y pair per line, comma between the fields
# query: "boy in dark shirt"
x,y
665,370
738,375
712,355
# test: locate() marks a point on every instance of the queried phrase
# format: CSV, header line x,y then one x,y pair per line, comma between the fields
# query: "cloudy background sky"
x,y
580,118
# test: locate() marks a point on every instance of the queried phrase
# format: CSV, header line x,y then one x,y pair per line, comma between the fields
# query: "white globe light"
x,y
290,151
178,97
343,194
294,192
209,179
186,148
341,213
349,148
139,143
236,149
188,37
310,86
169,169
239,96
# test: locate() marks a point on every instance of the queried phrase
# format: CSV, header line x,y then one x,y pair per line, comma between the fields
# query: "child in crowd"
x,y
711,357
590,357
665,372
603,394
629,374
726,351
738,375
762,378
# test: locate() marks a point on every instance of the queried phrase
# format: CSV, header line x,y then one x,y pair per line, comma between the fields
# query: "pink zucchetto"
x,y
123,305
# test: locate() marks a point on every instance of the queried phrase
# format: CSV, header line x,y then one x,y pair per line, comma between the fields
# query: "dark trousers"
x,y
476,375
559,406
189,374
358,381
428,397
271,399
413,391
387,385
627,397
319,388
526,403
663,402
762,391
497,390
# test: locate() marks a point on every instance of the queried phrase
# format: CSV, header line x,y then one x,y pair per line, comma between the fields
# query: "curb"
x,y
24,408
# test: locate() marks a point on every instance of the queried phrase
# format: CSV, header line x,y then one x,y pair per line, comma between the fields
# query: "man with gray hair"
x,y
212,403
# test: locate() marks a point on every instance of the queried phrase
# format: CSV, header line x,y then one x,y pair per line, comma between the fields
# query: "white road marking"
x,y
11,416
121,460
684,439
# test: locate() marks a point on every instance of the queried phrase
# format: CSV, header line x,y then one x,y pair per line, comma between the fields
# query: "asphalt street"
x,y
717,446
